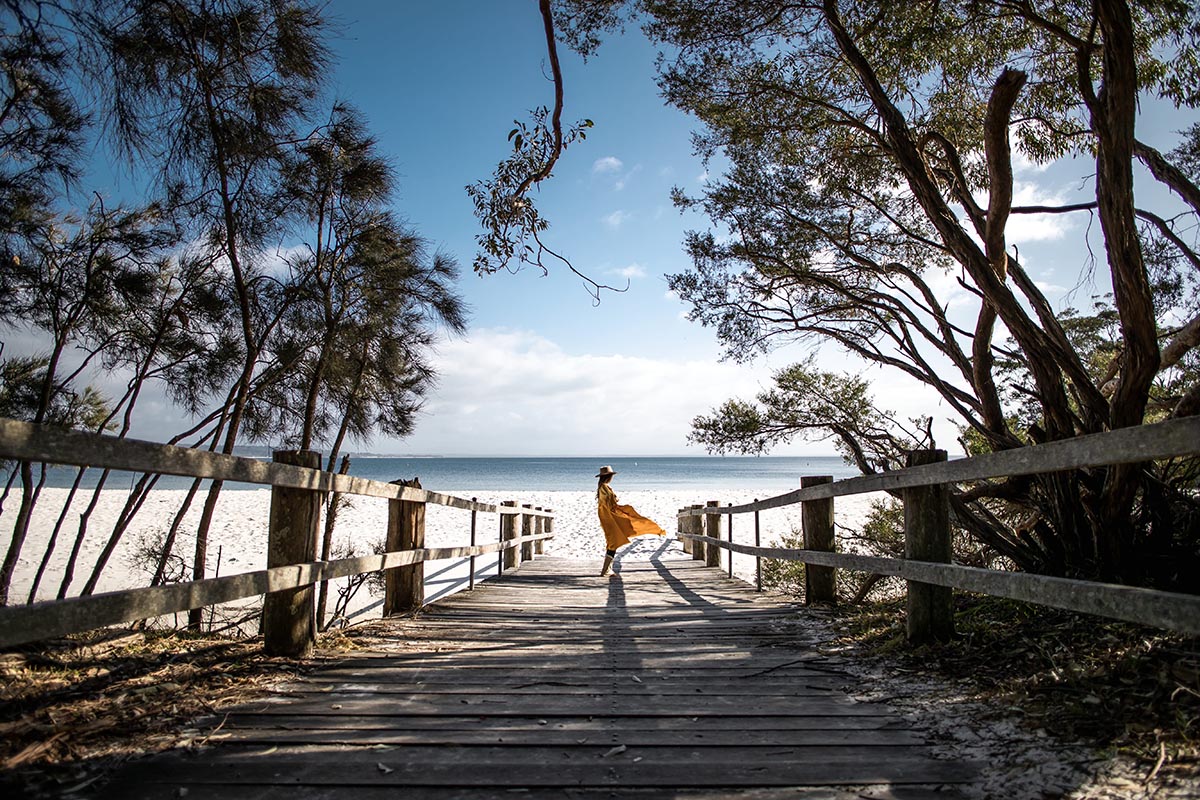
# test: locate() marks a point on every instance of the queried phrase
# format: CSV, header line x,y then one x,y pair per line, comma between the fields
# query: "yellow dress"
x,y
621,523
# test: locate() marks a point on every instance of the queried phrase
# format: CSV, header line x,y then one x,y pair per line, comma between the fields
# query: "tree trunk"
x,y
29,496
160,571
1113,120
41,570
327,542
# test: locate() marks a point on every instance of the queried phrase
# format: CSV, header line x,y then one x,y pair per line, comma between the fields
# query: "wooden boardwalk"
x,y
670,680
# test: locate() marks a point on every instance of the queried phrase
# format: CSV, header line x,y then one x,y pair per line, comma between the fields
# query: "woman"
x,y
620,523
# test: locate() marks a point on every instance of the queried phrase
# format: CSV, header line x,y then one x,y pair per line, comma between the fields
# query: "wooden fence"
x,y
298,488
926,567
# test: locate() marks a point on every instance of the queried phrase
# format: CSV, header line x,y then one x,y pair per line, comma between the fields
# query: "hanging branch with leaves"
x,y
511,221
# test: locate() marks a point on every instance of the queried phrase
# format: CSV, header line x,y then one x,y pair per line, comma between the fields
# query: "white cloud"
x,y
948,291
1050,288
1023,228
607,164
277,262
1022,163
632,271
547,401
616,218
624,179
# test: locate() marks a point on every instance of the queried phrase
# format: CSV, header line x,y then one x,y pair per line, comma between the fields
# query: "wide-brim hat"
x,y
606,470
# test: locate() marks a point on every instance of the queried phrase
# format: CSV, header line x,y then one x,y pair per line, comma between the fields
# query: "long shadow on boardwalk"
x,y
667,681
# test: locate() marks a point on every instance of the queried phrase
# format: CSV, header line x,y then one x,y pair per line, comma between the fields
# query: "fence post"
x,y
404,587
527,530
927,538
474,521
290,616
547,526
730,524
816,518
508,531
539,527
683,524
696,527
500,553
757,559
712,528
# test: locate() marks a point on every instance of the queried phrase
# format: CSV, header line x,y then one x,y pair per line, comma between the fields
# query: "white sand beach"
x,y
238,539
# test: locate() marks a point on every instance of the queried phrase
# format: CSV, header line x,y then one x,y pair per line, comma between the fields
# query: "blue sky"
x,y
542,370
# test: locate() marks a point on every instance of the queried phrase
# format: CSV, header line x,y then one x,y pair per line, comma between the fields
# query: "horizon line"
x,y
600,457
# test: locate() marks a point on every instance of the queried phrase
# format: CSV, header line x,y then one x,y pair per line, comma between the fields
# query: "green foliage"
x,y
368,300
785,576
882,534
210,104
511,220
1112,684
1186,154
860,166
42,123
816,404
22,384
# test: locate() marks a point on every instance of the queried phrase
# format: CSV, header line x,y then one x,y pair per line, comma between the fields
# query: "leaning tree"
x,y
867,152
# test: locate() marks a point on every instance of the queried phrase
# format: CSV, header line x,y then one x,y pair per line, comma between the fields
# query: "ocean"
x,y
770,474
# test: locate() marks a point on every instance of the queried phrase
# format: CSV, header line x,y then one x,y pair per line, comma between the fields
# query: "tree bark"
x,y
1048,361
1000,178
1113,117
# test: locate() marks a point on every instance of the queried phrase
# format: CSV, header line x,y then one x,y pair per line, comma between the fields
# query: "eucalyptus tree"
x,y
869,150
213,92
369,301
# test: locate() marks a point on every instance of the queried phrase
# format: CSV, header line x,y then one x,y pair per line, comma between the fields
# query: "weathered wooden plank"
x,y
598,704
546,735
458,679
712,529
816,519
53,445
584,725
461,769
633,663
908,791
929,607
811,683
289,621
583,754
510,533
539,702
461,679
404,587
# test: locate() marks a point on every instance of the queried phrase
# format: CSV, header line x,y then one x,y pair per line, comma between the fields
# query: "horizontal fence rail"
x,y
919,487
287,624
24,624
1171,610
25,441
1170,439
